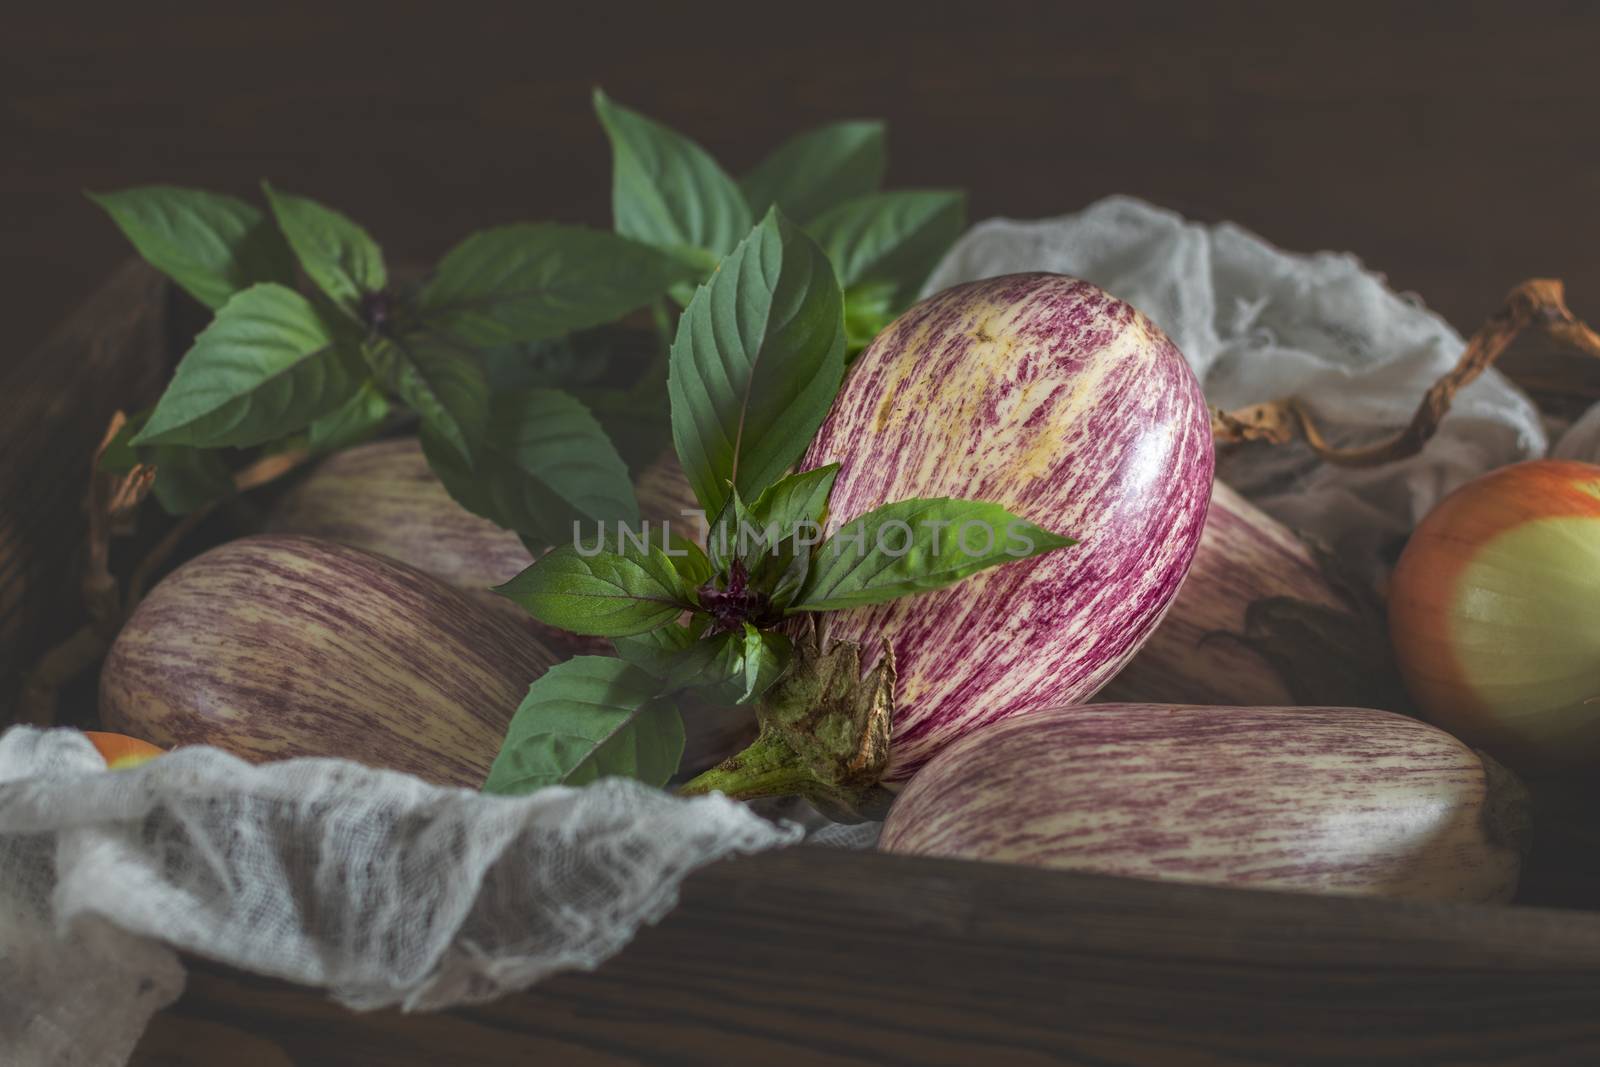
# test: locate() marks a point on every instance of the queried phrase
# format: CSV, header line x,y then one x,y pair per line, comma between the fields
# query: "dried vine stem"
x,y
1538,303
262,471
111,502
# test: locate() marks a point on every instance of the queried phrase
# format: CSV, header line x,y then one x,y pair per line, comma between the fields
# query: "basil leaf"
x,y
657,652
773,537
688,558
549,436
337,255
530,281
734,535
773,547
267,366
868,309
819,169
766,656
356,421
795,499
188,479
757,360
712,669
545,465
895,238
667,191
211,245
916,546
588,718
609,594
724,668
785,575
689,661
445,387
637,422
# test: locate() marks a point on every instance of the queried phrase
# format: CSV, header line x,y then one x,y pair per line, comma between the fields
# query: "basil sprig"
x,y
819,169
757,360
784,273
211,245
669,192
800,264
330,366
586,718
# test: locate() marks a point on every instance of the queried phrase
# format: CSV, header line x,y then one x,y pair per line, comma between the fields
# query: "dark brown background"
x,y
1454,146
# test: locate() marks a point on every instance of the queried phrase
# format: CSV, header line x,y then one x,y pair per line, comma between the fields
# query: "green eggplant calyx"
x,y
824,735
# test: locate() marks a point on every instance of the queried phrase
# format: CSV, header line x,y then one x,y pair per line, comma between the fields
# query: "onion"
x,y
1494,611
122,752
1335,800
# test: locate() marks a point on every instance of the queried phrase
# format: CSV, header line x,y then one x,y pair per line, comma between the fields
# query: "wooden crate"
x,y
821,956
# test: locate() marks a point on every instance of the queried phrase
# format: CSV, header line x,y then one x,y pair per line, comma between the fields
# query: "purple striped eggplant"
x,y
383,498
1333,800
1053,398
1262,620
277,646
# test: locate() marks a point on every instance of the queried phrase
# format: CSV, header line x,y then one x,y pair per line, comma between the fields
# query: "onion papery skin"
x,y
1328,800
1494,611
1049,396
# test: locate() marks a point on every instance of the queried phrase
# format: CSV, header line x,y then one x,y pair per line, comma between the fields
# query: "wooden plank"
x,y
819,956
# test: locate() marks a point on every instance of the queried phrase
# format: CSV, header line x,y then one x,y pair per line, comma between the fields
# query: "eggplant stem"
x,y
770,767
